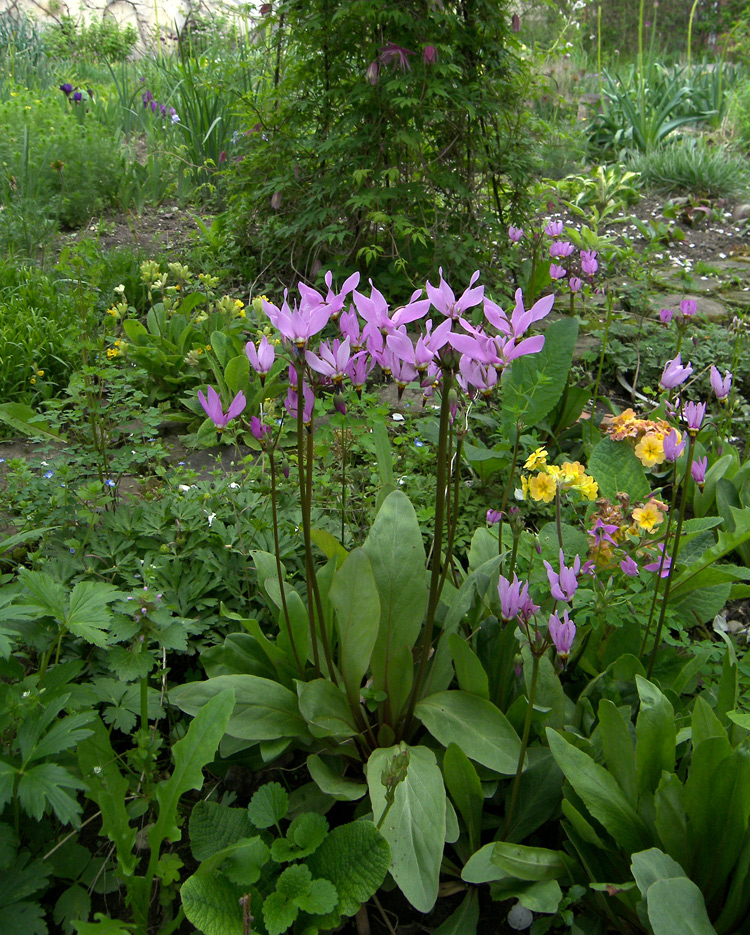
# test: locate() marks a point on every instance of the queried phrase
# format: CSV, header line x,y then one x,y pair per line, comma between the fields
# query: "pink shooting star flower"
x,y
333,360
561,248
698,471
333,300
694,413
562,633
688,307
444,300
666,315
358,369
414,309
557,272
515,234
374,309
297,325
554,229
291,402
629,567
262,358
512,596
672,447
213,409
589,263
258,429
675,373
575,284
563,585
721,388
493,517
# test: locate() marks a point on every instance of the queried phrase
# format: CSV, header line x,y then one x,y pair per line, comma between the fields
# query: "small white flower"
x,y
184,488
211,518
97,770
397,417
233,486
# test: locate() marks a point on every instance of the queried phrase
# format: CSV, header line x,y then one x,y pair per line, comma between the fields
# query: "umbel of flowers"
x,y
436,339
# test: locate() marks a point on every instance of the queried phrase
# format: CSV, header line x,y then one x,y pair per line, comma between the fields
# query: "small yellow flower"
x,y
536,460
112,352
32,380
647,517
650,451
542,487
40,373
208,347
588,487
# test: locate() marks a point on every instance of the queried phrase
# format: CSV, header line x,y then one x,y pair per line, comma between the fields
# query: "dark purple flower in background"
x,y
429,55
78,97
515,23
396,55
66,88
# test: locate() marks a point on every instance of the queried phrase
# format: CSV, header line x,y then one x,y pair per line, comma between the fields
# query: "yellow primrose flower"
x,y
588,487
40,373
536,460
650,451
647,517
32,380
542,487
112,352
525,486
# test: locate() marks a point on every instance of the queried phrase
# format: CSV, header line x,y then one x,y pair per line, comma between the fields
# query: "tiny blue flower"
x,y
49,474
419,443
109,482
72,550
181,463
2,460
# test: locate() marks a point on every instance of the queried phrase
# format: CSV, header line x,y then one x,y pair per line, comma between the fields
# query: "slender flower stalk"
x,y
423,649
524,744
675,549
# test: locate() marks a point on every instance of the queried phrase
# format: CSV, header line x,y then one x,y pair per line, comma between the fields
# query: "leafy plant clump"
x,y
694,166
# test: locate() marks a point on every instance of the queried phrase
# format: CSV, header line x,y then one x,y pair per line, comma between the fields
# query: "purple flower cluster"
x,y
74,94
158,109
562,255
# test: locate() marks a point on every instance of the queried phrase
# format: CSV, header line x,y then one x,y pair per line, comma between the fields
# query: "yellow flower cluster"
x,y
648,435
543,486
114,351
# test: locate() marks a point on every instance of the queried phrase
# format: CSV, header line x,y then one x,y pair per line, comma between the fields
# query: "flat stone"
x,y
698,284
710,308
737,297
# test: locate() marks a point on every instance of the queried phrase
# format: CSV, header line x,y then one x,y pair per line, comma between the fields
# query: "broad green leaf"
x,y
619,754
88,614
329,545
529,863
469,670
325,708
655,736
615,467
303,837
214,827
297,631
74,903
676,907
721,817
196,749
542,896
24,419
415,825
481,868
237,375
107,787
539,797
212,905
476,725
268,805
704,723
354,597
355,857
465,789
670,819
394,547
727,542
264,710
331,782
43,785
651,865
534,383
241,862
600,793
320,899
